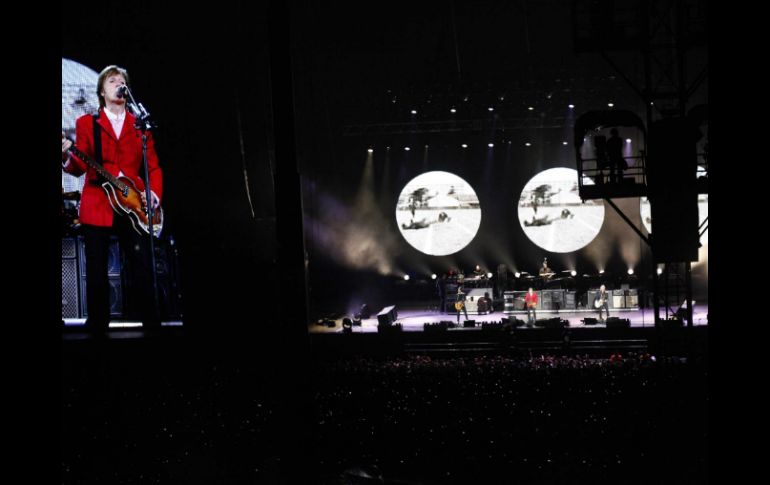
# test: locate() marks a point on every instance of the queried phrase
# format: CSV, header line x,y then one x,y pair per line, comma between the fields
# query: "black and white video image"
x,y
552,214
438,213
78,97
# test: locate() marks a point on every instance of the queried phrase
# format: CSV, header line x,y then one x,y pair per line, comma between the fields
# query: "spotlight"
x,y
464,145
564,143
407,148
601,271
660,270
433,276
610,104
630,271
371,150
528,144
490,109
406,277
571,106
489,275
573,273
453,110
517,274
628,140
414,111
490,145
531,108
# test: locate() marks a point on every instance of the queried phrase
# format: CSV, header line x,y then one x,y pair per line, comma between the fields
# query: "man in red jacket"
x,y
530,302
119,149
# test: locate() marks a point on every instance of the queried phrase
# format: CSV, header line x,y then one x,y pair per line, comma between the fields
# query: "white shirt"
x,y
116,121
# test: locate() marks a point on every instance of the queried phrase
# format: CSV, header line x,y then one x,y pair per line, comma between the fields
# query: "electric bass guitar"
x,y
124,197
599,303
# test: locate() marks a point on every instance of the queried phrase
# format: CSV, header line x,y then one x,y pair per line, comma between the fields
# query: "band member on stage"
x,y
110,137
600,302
530,301
460,304
545,271
479,272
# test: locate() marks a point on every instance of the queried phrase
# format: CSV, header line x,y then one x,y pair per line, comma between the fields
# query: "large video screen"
x,y
438,213
552,215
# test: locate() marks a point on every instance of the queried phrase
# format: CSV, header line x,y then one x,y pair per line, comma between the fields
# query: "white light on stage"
x,y
414,111
601,271
572,106
407,148
573,273
628,140
552,214
406,277
453,110
490,145
370,150
660,270
630,271
489,275
464,145
433,276
610,104
564,143
517,274
528,144
531,108
491,108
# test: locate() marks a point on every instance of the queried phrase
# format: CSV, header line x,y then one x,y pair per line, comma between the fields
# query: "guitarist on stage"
x,y
530,301
600,302
460,304
110,138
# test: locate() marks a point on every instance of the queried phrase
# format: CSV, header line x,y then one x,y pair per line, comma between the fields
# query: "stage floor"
x,y
412,320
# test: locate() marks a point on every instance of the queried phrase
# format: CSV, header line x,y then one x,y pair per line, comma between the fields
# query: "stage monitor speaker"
x,y
469,323
554,323
615,322
590,321
387,316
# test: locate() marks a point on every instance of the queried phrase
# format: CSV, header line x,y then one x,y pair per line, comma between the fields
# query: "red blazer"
x,y
118,155
531,298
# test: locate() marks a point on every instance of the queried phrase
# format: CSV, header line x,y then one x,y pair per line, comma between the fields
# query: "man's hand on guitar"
x,y
155,201
65,145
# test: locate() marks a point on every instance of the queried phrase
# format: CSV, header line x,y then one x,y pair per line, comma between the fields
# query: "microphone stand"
x,y
144,123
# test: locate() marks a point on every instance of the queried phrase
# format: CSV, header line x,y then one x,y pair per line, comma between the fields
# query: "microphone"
x,y
121,92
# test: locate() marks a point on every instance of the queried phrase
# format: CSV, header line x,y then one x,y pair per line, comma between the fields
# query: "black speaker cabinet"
x,y
387,316
70,279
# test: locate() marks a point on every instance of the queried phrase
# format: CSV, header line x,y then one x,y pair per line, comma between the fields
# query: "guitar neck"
x,y
98,167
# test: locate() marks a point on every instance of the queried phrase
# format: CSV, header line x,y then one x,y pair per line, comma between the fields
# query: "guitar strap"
x,y
97,140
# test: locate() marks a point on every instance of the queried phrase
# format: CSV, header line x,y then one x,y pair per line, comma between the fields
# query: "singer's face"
x,y
110,87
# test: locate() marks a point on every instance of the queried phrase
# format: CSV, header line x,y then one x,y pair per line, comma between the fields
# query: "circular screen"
x,y
438,213
552,214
